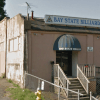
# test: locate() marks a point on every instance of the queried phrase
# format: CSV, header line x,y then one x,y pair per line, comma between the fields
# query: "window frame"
x,y
13,44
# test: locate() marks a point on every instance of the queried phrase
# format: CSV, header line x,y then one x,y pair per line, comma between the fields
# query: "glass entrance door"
x,y
64,59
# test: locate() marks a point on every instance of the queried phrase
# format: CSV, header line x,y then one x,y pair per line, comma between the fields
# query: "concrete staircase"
x,y
75,85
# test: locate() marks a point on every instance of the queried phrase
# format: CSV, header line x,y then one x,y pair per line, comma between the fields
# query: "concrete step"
x,y
76,95
75,87
73,83
72,78
81,98
76,80
82,92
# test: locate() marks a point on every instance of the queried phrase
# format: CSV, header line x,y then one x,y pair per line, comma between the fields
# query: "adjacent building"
x,y
31,44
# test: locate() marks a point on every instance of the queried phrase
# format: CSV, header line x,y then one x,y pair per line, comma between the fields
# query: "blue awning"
x,y
67,42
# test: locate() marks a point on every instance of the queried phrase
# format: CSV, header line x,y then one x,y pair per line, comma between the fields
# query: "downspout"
x,y
25,58
24,61
27,52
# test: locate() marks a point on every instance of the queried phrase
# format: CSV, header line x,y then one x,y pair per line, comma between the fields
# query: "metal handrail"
x,y
88,71
84,75
54,84
80,79
92,97
63,74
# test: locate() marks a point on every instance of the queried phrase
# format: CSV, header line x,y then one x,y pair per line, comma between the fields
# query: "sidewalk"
x,y
4,84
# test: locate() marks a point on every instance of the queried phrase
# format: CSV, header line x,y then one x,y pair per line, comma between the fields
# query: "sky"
x,y
73,8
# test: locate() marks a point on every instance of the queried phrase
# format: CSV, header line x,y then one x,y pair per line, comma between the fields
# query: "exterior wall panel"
x,y
96,51
82,55
15,30
40,52
2,45
90,44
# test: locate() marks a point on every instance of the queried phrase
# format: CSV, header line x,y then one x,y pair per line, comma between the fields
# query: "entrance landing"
x,y
71,77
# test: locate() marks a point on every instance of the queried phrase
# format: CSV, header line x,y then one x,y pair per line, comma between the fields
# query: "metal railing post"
x,y
77,70
87,87
78,95
38,83
67,87
94,70
58,93
90,95
58,85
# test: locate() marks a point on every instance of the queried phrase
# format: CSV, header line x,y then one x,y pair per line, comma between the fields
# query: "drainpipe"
x,y
28,16
26,53
52,77
25,59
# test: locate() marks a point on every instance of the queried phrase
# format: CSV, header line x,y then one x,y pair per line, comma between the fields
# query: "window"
x,y
14,44
11,45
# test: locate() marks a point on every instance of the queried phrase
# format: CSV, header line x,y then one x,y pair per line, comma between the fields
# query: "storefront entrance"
x,y
67,47
64,59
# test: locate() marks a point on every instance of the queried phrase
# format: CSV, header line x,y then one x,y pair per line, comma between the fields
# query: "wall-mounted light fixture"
x,y
98,37
52,62
35,33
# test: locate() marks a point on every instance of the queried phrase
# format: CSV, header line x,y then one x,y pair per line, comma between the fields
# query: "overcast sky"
x,y
74,8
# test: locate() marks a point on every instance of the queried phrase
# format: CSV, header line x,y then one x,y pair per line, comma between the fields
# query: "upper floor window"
x,y
2,46
14,44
